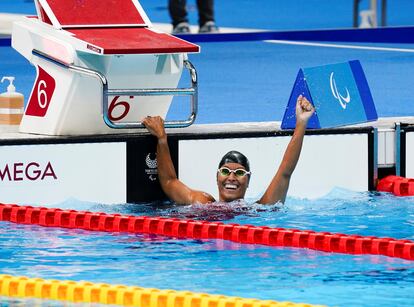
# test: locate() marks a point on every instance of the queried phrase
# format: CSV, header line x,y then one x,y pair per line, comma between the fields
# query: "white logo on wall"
x,y
343,100
152,170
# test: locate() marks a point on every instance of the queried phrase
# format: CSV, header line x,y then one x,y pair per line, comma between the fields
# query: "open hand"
x,y
304,109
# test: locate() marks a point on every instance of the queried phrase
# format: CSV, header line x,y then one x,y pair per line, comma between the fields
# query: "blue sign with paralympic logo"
x,y
339,93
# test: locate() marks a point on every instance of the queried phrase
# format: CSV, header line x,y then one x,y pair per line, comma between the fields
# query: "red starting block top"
x,y
132,41
92,13
110,26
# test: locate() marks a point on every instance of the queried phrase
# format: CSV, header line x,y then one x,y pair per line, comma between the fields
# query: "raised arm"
x,y
278,187
170,184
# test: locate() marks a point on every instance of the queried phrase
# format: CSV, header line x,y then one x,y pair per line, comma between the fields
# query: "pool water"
x,y
223,267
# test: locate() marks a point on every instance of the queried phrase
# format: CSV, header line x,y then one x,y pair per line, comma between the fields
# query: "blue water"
x,y
248,81
254,83
222,267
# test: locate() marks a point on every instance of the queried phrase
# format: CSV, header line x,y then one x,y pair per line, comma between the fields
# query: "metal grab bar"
x,y
191,91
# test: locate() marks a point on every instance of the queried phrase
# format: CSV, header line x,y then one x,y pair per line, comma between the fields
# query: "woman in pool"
x,y
233,175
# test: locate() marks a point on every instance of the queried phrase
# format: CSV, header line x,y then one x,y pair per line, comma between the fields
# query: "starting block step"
x,y
339,93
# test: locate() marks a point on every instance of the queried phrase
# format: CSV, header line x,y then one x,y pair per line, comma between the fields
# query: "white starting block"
x,y
100,60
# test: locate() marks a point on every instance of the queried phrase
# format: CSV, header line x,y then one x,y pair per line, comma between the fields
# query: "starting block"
x,y
100,65
339,93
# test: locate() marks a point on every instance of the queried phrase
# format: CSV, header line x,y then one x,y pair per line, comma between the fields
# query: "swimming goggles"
x,y
225,171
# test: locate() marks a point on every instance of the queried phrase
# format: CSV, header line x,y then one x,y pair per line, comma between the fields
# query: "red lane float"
x,y
248,234
397,185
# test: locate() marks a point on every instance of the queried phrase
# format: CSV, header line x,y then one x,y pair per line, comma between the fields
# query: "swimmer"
x,y
233,173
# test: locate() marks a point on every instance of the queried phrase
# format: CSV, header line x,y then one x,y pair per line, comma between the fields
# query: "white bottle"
x,y
11,105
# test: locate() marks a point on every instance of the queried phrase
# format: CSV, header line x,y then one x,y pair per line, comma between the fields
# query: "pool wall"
x,y
407,151
122,168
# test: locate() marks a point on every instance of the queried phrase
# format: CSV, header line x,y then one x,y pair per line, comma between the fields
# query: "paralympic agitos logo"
x,y
342,99
31,171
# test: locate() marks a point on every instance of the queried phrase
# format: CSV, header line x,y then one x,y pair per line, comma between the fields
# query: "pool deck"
x,y
10,133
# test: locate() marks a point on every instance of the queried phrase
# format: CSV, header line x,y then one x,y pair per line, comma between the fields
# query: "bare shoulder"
x,y
201,197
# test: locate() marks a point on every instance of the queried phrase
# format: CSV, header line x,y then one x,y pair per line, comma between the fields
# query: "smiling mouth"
x,y
230,186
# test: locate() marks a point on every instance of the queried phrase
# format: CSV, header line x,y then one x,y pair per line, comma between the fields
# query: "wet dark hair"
x,y
235,157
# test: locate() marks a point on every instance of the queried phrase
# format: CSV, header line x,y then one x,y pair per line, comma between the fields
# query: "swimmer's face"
x,y
232,187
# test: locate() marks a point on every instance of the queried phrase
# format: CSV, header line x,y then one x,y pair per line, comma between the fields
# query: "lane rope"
x,y
397,185
88,292
190,229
